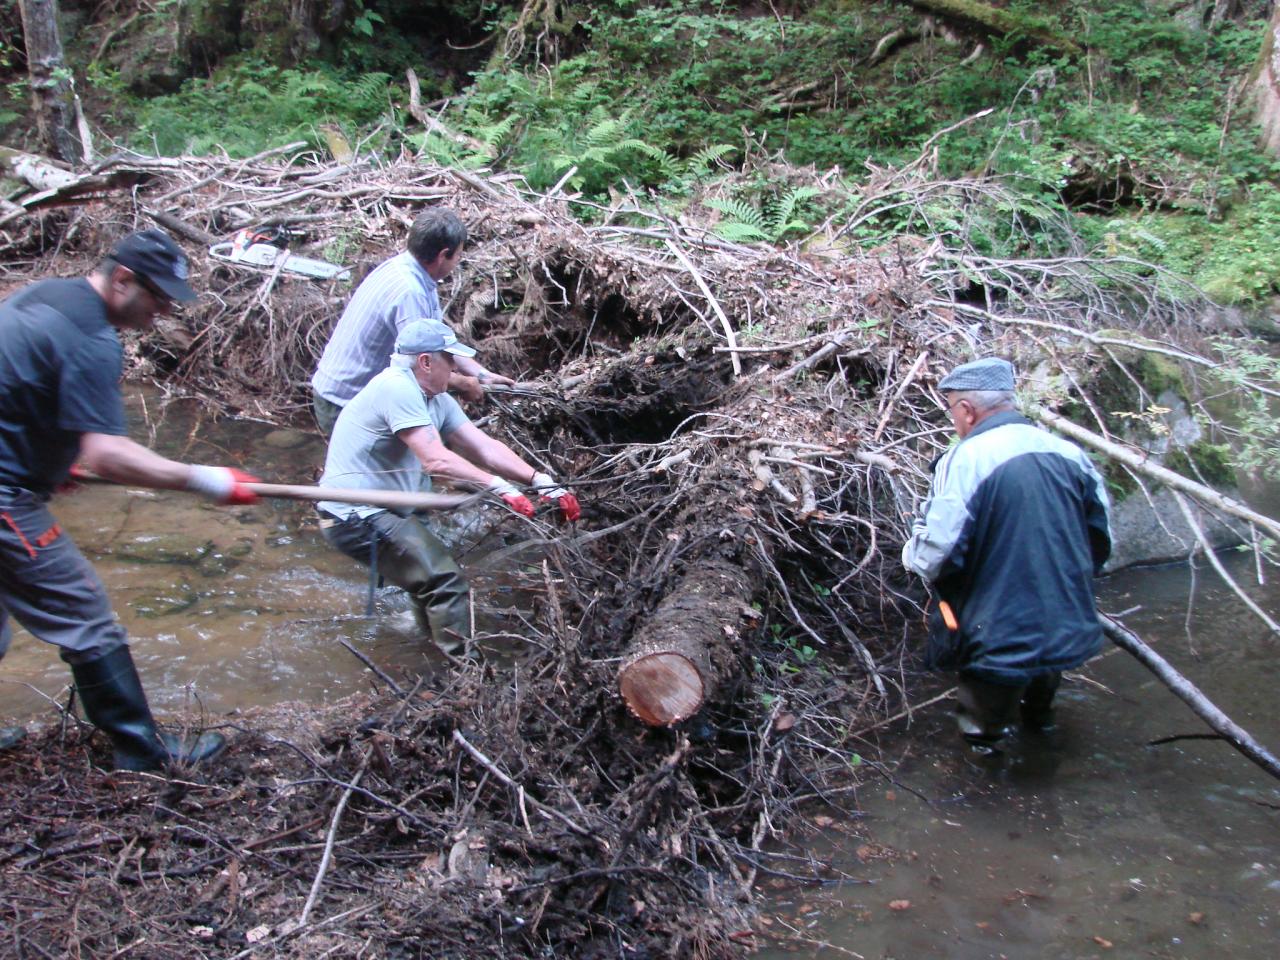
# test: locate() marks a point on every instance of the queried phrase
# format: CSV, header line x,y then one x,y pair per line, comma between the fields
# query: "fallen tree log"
x,y
1140,462
40,173
685,649
1187,691
54,185
1003,23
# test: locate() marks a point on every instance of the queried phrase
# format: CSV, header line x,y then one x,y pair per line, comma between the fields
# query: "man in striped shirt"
x,y
399,290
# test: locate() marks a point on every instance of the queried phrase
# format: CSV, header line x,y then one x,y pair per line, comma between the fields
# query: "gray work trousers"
x,y
985,710
48,586
413,558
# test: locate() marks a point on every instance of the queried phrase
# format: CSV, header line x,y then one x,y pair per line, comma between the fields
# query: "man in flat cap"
x,y
1010,538
60,401
400,427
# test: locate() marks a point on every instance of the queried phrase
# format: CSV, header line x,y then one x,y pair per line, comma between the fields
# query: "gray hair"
x,y
983,400
434,230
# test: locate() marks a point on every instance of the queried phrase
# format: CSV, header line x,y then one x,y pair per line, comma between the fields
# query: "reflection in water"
x,y
1087,842
226,607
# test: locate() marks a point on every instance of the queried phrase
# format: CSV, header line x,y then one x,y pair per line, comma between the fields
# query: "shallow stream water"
x,y
1091,843
1088,843
226,607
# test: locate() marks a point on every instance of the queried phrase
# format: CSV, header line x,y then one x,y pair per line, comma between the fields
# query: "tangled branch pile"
x,y
749,428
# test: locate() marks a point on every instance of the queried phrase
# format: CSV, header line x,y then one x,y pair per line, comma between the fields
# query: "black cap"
x,y
155,256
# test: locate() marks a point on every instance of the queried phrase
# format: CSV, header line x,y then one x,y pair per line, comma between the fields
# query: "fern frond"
x,y
708,156
743,213
495,133
739,232
639,146
608,132
370,89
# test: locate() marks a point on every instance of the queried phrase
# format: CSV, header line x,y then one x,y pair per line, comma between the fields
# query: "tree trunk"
x,y
685,650
51,91
1267,85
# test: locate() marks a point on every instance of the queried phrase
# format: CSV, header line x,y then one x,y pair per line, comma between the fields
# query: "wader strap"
x,y
373,568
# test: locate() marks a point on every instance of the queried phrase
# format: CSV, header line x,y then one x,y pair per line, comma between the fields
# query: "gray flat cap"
x,y
989,373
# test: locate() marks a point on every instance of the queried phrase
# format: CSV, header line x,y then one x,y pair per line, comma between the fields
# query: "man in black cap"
x,y
60,402
1010,538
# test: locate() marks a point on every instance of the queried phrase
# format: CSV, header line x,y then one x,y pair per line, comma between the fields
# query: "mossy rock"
x,y
1209,463
219,562
149,56
172,548
164,602
287,439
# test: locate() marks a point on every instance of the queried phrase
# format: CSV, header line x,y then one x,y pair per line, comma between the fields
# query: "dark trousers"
x,y
326,413
48,586
413,558
984,710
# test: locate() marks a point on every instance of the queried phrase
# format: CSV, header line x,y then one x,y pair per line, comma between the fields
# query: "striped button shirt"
x,y
397,291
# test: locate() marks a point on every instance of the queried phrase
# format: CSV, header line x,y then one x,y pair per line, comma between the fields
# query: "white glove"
x,y
221,484
547,487
503,488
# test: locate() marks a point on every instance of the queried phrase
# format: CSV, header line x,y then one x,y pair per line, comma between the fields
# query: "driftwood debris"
x,y
804,470
685,649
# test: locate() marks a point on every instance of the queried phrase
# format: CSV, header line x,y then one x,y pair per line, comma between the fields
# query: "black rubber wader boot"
x,y
114,702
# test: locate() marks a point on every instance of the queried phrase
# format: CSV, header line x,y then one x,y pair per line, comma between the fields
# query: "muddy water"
x,y
1088,844
226,607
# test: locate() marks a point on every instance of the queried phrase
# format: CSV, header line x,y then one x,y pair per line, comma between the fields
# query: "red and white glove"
x,y
224,485
513,498
547,489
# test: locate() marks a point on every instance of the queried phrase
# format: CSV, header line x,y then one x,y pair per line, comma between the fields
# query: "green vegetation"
x,y
253,106
1113,124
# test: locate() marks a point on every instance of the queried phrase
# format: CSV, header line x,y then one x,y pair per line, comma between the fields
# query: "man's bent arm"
x,y
471,367
439,461
479,448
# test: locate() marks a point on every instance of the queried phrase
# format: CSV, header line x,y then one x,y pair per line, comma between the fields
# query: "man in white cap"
x,y
1013,532
60,401
401,425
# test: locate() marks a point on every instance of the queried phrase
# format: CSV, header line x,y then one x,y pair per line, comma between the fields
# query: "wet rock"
x,y
286,439
163,548
1155,531
165,601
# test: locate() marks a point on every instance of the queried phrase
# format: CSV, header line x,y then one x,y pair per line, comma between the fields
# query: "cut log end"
x,y
662,688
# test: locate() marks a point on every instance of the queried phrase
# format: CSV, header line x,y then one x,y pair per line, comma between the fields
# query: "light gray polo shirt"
x,y
364,451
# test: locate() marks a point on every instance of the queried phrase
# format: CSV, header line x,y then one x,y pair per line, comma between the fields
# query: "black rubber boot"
x,y
1037,704
10,737
114,702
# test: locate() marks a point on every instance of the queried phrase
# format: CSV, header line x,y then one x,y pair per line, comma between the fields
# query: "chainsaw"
x,y
267,247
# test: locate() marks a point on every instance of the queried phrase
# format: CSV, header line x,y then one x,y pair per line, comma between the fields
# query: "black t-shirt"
x,y
60,368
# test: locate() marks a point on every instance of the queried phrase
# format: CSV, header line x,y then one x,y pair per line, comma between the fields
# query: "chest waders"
x,y
403,552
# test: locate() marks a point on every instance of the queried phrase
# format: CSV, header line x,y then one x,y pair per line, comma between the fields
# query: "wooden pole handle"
x,y
389,499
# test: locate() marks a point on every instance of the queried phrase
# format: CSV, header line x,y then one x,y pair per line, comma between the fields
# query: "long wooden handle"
x,y
374,498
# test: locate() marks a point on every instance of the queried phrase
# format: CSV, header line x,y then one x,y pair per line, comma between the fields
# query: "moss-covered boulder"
x,y
174,548
1146,399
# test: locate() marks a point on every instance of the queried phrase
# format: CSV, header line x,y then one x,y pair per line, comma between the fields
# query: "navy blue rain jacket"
x,y
1012,535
